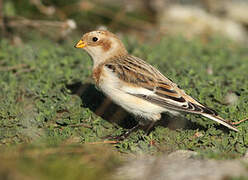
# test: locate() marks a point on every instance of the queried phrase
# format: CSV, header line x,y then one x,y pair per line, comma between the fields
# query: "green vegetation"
x,y
47,103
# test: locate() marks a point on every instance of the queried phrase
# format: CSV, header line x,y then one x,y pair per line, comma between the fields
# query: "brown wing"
x,y
161,90
138,73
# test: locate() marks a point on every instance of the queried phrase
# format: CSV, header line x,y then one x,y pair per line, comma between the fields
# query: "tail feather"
x,y
221,121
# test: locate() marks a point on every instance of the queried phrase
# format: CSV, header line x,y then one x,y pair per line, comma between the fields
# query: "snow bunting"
x,y
136,85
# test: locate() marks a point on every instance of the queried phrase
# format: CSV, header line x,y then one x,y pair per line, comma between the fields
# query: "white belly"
x,y
116,90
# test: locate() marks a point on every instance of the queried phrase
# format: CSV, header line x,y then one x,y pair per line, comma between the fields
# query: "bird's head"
x,y
101,46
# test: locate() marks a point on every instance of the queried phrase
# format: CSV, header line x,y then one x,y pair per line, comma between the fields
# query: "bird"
x,y
134,84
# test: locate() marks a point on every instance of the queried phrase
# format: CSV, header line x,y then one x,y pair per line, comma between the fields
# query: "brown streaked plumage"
x,y
132,73
97,74
136,85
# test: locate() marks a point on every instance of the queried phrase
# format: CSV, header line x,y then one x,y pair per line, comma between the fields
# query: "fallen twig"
x,y
100,9
81,125
24,71
11,68
236,123
47,10
154,143
65,27
19,68
21,21
104,142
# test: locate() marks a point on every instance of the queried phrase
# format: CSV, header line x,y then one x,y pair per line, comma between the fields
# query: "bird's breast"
x,y
97,73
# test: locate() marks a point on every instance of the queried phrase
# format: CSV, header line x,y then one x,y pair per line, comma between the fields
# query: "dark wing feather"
x,y
138,73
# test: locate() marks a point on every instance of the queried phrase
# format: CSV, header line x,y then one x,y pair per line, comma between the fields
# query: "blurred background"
x,y
147,19
54,122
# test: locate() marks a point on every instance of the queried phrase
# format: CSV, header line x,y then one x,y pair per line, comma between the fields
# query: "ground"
x,y
53,120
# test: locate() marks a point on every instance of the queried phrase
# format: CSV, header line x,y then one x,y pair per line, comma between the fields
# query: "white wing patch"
x,y
137,90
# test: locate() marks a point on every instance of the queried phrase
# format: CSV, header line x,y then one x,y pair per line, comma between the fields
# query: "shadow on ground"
x,y
102,106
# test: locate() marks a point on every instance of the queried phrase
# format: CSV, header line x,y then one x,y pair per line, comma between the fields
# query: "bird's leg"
x,y
149,128
141,123
129,131
154,120
125,134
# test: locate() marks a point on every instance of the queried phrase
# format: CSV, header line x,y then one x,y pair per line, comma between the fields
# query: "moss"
x,y
58,162
46,97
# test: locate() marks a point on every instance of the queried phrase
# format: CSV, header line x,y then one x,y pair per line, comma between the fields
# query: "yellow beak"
x,y
80,44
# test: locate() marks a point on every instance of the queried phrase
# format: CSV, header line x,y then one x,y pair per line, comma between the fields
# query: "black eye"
x,y
94,39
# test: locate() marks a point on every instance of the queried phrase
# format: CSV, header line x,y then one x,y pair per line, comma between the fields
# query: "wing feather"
x,y
158,89
146,82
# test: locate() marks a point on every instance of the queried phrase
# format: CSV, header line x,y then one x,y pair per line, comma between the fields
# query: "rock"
x,y
182,154
246,156
180,165
191,20
237,11
231,99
